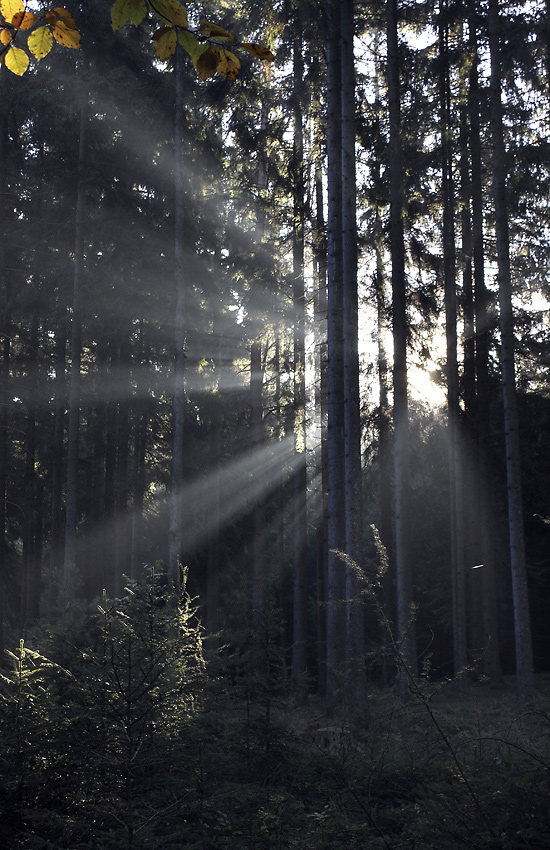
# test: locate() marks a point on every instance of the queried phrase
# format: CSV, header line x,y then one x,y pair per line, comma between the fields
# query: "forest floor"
x,y
446,769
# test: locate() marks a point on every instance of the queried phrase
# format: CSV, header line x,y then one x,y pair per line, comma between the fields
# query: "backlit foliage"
x,y
205,45
56,24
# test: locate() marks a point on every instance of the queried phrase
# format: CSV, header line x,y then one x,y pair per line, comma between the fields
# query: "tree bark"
x,y
355,641
320,325
259,567
335,370
405,620
524,651
299,639
4,351
71,511
490,643
453,407
175,533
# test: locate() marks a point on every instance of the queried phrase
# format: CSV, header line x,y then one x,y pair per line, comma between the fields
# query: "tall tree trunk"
x,y
384,417
355,642
259,566
335,369
110,458
320,325
524,651
56,515
453,407
491,650
470,488
71,511
404,605
32,579
4,350
175,533
299,639
122,538
141,430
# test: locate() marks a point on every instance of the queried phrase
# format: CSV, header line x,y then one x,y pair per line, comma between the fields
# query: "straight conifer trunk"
x,y
4,348
259,569
453,408
71,512
56,525
524,651
355,648
404,604
491,652
321,405
299,640
175,533
335,366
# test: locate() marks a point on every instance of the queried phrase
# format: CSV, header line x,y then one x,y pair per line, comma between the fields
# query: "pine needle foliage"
x,y
93,744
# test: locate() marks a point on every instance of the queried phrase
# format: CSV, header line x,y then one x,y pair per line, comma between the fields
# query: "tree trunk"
x,y
299,639
453,407
405,622
259,567
524,651
71,512
56,515
4,351
355,642
490,644
175,533
335,369
384,416
321,408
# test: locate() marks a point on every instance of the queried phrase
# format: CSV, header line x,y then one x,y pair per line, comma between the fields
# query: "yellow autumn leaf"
x,y
5,37
40,42
24,20
17,61
66,36
176,12
10,8
207,62
259,52
213,30
66,17
229,65
164,42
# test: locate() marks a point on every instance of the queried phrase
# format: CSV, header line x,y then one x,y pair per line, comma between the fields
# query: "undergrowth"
x,y
121,740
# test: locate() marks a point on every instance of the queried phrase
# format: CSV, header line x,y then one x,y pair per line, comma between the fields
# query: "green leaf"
x,y
159,9
119,14
137,9
191,45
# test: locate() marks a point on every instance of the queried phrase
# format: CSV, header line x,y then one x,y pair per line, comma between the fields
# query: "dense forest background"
x,y
274,432
205,290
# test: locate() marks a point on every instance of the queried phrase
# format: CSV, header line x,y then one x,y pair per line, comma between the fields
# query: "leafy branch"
x,y
207,45
56,24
